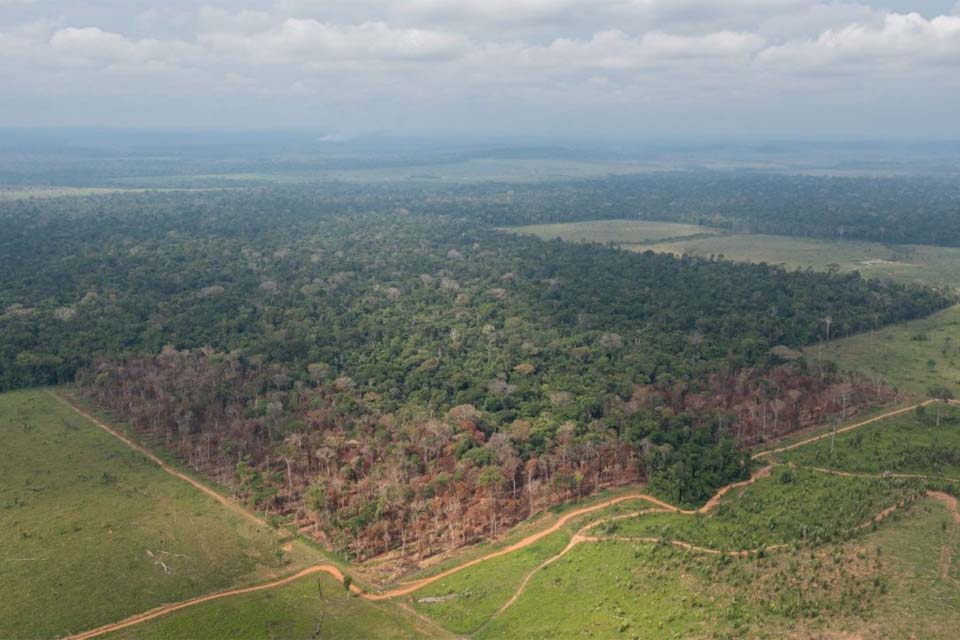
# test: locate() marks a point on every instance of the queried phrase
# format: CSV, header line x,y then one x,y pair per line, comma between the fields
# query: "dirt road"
x,y
227,502
829,434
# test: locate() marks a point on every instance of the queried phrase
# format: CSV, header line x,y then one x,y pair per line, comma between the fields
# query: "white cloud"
x,y
93,44
905,43
297,39
506,55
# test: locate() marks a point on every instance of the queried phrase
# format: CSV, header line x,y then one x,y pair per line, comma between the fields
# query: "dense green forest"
x,y
392,370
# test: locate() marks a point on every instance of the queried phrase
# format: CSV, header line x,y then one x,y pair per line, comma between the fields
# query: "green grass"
x,y
787,507
883,585
463,601
631,590
81,514
315,607
24,193
913,356
624,232
902,263
471,170
466,599
910,443
819,430
606,590
917,604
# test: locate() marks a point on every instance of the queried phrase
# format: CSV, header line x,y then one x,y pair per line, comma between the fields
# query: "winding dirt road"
x,y
851,427
409,587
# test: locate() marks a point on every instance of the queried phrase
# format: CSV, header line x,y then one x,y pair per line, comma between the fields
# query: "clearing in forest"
x,y
622,232
914,356
902,263
930,265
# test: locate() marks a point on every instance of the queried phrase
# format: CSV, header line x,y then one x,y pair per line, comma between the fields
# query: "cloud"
x,y
615,50
297,39
904,43
95,44
357,59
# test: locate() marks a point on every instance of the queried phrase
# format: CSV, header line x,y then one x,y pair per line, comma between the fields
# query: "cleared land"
x,y
820,579
622,232
913,356
26,193
93,531
463,601
884,584
901,263
316,607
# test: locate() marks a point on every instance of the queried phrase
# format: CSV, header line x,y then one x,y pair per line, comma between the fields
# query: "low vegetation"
x,y
919,356
465,600
883,584
924,264
786,508
925,442
316,607
93,532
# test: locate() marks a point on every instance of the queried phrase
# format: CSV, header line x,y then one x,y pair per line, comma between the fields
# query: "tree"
x,y
943,394
315,500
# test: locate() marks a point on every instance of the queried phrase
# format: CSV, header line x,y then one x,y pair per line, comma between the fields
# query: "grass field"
x,y
909,444
24,193
93,532
622,232
883,585
902,263
315,607
917,602
913,356
463,601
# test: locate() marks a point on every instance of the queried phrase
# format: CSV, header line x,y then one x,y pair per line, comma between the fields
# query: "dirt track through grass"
x,y
229,504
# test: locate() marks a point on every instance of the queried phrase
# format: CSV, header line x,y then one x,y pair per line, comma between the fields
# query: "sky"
x,y
799,68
